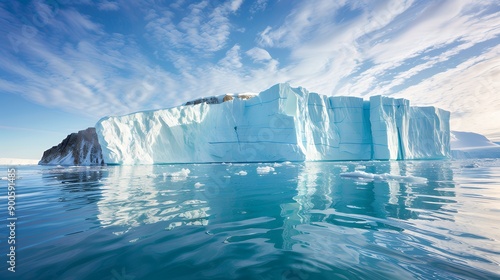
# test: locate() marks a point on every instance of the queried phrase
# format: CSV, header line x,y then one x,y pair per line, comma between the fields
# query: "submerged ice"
x,y
279,124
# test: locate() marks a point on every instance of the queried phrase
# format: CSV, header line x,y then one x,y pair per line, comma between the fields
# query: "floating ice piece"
x,y
264,169
383,177
179,175
198,185
242,173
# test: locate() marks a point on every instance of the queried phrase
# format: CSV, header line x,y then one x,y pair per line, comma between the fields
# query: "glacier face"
x,y
279,124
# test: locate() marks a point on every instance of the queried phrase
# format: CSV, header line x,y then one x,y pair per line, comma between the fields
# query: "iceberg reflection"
x,y
138,195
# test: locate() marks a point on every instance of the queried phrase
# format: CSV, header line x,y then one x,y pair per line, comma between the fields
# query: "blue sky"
x,y
65,64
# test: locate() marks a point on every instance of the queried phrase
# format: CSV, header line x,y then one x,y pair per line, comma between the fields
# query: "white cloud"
x,y
205,29
108,6
232,58
235,5
257,6
258,54
377,48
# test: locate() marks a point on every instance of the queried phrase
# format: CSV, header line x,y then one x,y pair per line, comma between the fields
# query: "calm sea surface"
x,y
256,221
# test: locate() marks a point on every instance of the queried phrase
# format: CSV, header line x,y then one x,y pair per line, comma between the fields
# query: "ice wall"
x,y
281,123
403,132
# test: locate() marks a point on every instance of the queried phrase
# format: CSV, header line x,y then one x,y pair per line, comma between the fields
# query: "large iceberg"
x,y
279,124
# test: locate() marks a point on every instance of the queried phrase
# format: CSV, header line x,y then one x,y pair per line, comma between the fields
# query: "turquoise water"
x,y
298,221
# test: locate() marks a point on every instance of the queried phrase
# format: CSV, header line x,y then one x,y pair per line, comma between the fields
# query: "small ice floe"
x,y
471,165
194,202
364,176
343,168
179,175
173,225
359,167
242,173
198,185
264,170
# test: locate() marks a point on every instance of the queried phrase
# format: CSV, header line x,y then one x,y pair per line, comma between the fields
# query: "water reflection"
x,y
320,188
139,195
347,223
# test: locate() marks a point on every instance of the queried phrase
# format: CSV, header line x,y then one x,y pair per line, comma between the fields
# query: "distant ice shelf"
x,y
472,145
278,124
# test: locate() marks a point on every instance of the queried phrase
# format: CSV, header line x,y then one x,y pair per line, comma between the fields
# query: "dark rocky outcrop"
x,y
218,99
208,100
80,148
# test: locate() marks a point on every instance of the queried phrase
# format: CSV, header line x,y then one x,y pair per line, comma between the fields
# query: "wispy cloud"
x,y
232,58
204,30
258,6
258,54
428,51
108,6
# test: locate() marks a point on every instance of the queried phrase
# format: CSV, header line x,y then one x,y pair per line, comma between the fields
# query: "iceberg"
x,y
279,124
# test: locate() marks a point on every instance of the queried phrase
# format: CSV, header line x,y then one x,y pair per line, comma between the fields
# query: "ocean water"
x,y
315,220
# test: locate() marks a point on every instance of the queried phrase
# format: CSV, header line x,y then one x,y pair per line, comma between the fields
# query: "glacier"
x,y
281,123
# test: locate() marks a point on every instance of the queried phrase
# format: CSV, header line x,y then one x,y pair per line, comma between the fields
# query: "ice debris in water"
x,y
198,185
359,167
179,175
264,170
383,177
242,173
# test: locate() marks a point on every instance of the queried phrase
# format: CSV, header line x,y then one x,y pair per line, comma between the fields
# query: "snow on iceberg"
x,y
278,124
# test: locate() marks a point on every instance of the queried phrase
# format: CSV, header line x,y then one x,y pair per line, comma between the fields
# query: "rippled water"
x,y
251,221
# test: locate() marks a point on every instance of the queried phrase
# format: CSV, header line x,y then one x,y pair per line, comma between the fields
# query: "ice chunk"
x,y
179,175
264,169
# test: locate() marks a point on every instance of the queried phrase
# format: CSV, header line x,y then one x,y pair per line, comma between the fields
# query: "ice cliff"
x,y
80,148
279,124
